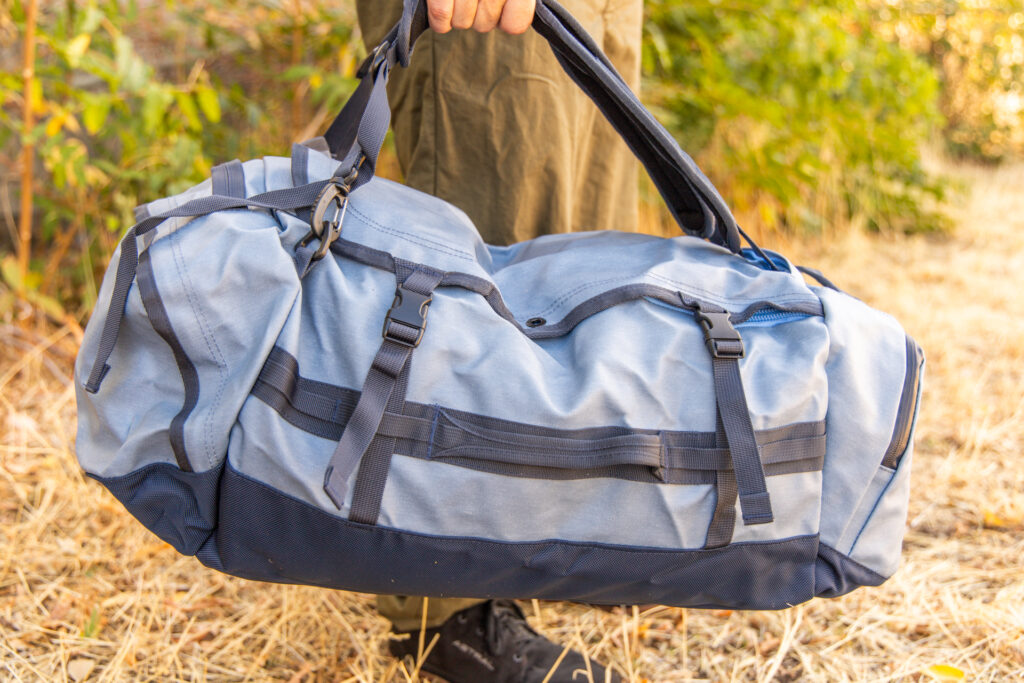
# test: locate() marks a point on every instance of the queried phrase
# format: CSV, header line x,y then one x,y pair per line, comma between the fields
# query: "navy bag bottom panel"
x,y
243,527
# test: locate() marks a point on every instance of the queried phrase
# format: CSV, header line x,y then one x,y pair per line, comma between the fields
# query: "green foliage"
x,y
977,49
129,108
109,131
807,114
799,111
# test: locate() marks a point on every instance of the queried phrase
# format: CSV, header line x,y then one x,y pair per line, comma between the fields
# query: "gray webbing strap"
x,y
450,437
288,199
357,134
401,335
228,179
726,348
126,267
300,164
368,490
723,520
746,458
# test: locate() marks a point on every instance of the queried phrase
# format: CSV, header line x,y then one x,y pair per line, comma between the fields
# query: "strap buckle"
x,y
721,338
407,318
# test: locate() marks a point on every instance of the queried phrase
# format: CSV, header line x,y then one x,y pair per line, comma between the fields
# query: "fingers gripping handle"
x,y
691,197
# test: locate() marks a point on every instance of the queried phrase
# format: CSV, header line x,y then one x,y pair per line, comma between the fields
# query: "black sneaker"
x,y
492,642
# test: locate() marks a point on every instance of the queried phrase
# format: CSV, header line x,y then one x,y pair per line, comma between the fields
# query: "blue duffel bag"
x,y
299,374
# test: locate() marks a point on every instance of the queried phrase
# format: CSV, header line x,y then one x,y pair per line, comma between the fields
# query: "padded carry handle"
x,y
358,132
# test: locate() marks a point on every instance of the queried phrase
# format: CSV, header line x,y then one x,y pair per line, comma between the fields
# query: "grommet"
x,y
536,322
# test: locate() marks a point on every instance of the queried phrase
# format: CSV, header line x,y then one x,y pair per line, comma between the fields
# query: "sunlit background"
x,y
880,141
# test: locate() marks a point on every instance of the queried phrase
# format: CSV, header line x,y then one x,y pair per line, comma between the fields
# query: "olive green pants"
x,y
491,124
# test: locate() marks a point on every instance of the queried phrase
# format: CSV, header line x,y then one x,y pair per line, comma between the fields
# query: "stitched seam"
x,y
849,559
437,96
433,430
874,508
714,296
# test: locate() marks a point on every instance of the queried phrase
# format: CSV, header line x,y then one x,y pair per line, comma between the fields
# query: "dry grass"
x,y
87,593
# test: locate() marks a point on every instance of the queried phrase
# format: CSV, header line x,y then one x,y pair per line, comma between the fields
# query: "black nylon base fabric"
x,y
243,527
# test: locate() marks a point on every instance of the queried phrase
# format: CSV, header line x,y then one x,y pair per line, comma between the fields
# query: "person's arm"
x,y
511,16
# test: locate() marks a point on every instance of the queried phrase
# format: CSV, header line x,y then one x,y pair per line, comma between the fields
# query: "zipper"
x,y
772,316
760,314
908,407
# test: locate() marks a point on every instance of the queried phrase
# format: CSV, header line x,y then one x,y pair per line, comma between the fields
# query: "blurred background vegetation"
x,y
809,115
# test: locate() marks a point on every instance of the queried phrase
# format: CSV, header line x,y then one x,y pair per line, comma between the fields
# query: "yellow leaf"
x,y
76,48
209,103
316,80
188,108
35,97
10,272
56,123
95,114
993,521
945,672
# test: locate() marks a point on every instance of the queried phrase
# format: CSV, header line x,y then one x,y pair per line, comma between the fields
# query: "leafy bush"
x,y
799,111
807,115
108,130
128,108
977,49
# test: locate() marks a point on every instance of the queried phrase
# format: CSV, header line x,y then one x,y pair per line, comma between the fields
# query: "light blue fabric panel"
x,y
879,543
143,392
866,368
227,287
266,448
796,502
437,498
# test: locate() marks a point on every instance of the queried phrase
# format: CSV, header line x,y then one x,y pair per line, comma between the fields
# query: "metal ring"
x,y
328,214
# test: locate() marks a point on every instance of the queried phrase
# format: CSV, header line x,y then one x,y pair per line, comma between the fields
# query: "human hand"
x,y
511,16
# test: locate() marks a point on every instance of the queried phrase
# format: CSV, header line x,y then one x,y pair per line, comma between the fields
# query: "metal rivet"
x,y
536,322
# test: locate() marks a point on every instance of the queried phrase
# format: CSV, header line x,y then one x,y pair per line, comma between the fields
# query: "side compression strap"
x,y
723,521
288,199
726,348
403,329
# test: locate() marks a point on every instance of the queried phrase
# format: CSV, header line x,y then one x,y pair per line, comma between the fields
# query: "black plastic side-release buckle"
x,y
721,338
409,312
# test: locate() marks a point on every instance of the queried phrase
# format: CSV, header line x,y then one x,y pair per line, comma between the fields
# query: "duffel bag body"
x,y
301,376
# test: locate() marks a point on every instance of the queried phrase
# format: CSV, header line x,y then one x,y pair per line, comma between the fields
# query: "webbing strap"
x,y
723,520
126,267
357,134
228,179
288,199
725,346
746,458
300,164
381,381
368,490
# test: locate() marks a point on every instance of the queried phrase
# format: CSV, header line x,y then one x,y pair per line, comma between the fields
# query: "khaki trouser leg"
x,y
491,124
406,612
